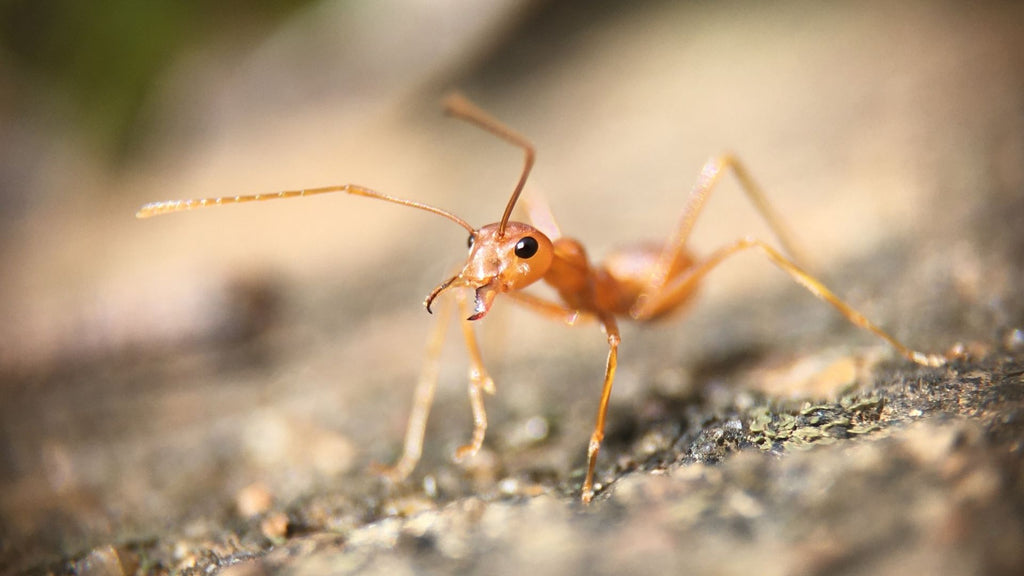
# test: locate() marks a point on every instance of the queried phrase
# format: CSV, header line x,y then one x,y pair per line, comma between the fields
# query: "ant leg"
x,y
479,382
423,398
539,215
569,316
709,176
688,280
611,328
552,310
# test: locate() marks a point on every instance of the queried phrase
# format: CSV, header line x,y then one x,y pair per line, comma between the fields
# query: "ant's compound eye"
x,y
526,247
469,241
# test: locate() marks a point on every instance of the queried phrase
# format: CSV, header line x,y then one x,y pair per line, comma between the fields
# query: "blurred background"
x,y
152,368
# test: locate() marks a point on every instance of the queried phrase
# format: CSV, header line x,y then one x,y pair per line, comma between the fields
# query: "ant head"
x,y
500,261
504,256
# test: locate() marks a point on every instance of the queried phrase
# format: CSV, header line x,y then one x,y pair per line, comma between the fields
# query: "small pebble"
x,y
253,500
275,526
101,561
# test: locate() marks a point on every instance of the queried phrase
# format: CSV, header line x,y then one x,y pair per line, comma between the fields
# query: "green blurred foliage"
x,y
102,58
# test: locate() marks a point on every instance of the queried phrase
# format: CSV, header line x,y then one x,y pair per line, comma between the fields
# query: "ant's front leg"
x,y
423,399
479,382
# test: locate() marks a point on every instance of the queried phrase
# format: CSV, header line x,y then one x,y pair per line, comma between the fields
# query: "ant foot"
x,y
464,452
394,474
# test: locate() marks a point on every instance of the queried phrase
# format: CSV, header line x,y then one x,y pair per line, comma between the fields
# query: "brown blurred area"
x,y
149,370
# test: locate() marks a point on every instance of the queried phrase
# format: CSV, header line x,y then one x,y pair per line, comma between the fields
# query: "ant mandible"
x,y
640,283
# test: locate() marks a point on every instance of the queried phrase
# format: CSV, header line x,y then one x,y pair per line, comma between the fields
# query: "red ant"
x,y
640,283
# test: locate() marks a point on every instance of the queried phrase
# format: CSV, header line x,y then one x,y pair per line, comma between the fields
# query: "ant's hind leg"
x,y
423,399
687,281
710,174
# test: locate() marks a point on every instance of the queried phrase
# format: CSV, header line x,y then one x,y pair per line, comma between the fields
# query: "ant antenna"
x,y
169,206
459,106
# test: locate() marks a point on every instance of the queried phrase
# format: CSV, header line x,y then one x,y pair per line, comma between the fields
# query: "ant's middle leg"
x,y
611,329
561,313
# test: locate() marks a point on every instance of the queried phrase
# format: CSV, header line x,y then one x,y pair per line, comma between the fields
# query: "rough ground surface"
x,y
219,412
922,471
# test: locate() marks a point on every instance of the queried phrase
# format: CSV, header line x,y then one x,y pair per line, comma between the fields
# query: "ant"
x,y
640,283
